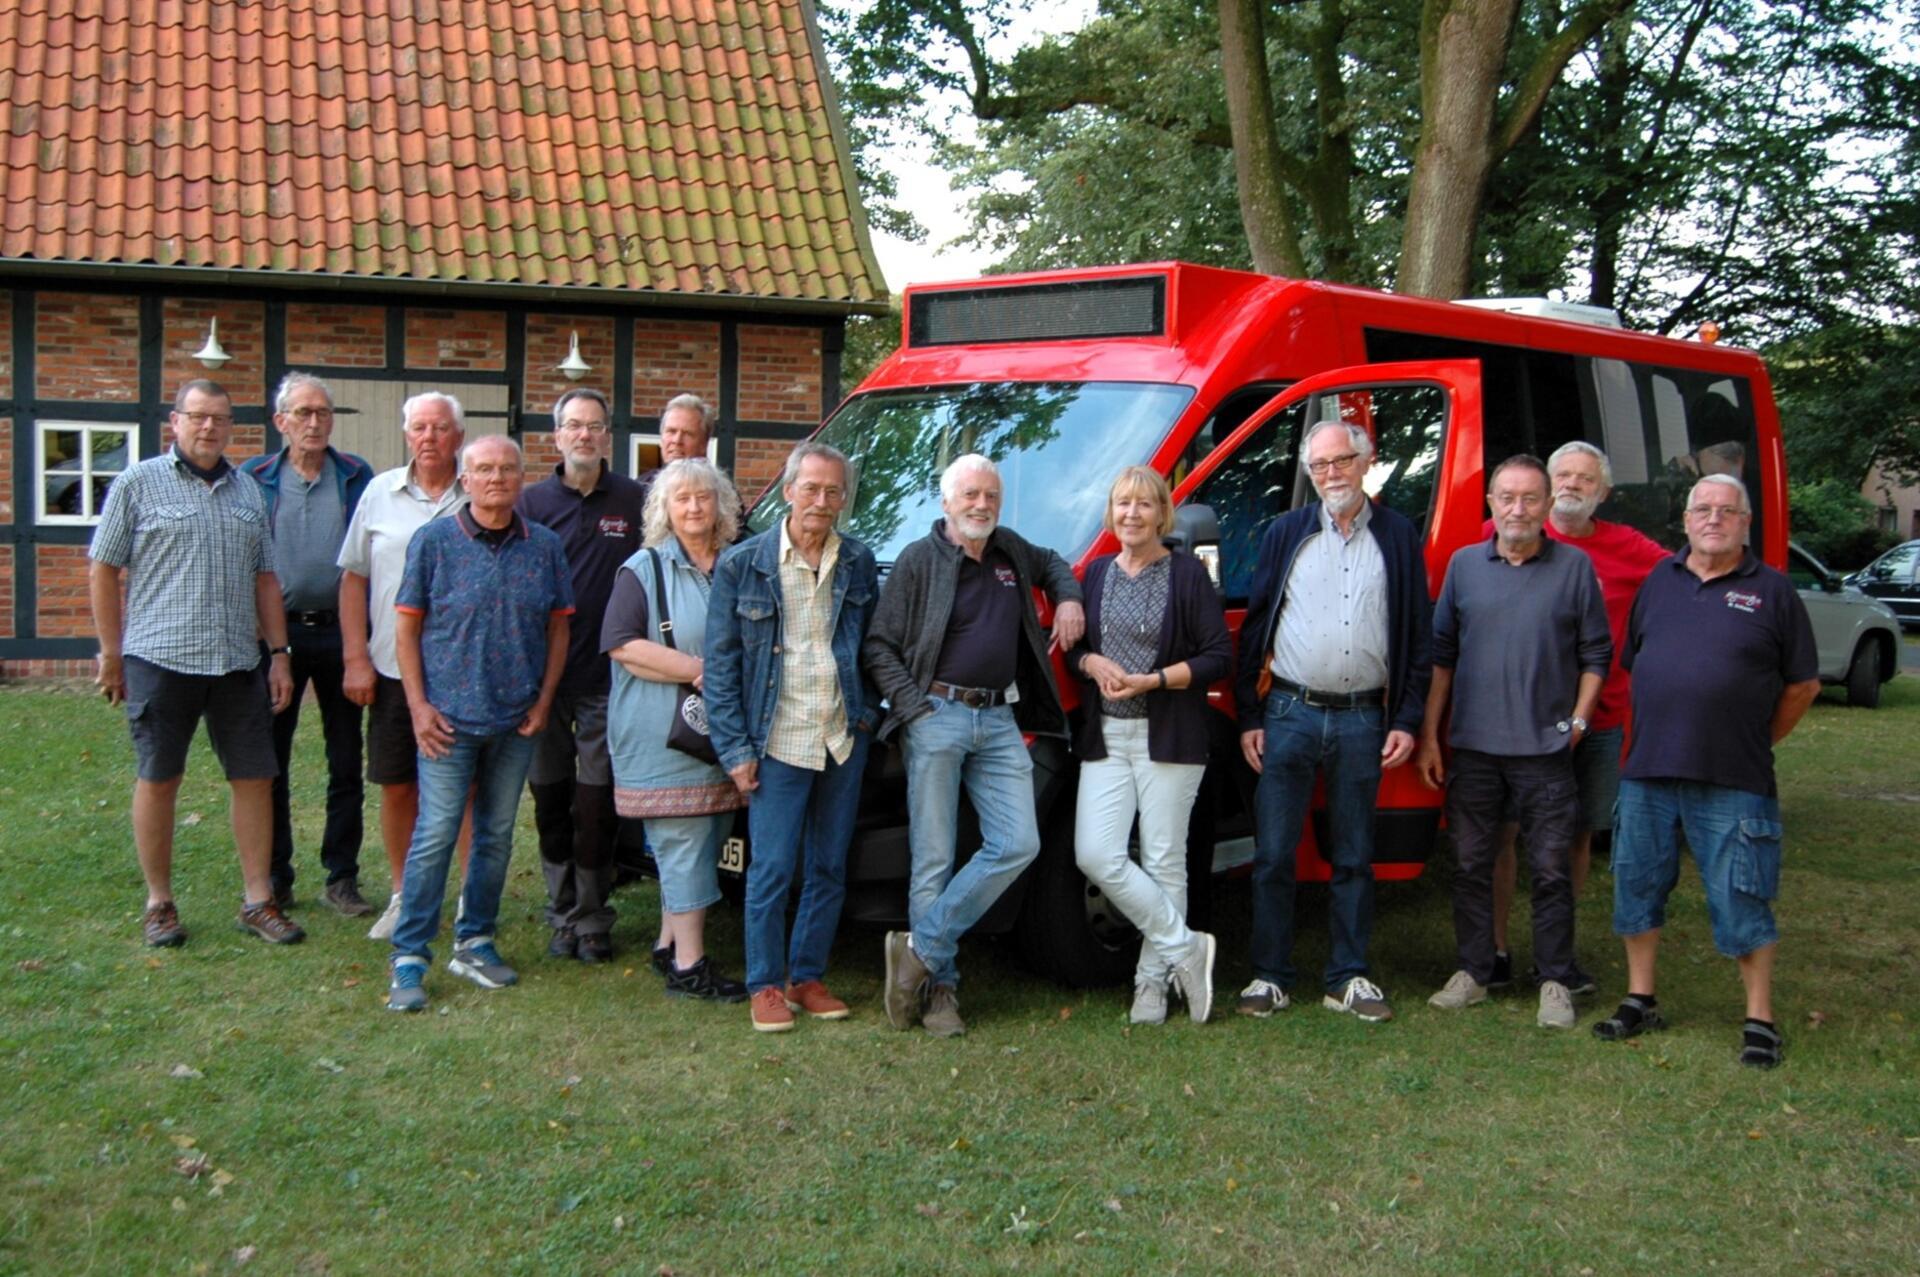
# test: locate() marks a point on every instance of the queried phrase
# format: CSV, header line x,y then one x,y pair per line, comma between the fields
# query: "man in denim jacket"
x,y
790,718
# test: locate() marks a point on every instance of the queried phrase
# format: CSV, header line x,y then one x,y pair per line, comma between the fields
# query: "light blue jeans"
x,y
982,749
494,767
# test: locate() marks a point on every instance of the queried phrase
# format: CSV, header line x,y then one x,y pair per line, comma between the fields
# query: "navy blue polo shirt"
x,y
486,598
1709,660
600,530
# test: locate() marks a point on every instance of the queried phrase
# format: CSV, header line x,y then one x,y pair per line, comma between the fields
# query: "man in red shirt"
x,y
1622,556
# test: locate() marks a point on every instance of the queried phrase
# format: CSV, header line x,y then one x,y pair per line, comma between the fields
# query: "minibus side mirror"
x,y
1196,530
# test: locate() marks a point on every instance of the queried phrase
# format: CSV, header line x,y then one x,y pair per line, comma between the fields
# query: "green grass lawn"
x,y
582,1122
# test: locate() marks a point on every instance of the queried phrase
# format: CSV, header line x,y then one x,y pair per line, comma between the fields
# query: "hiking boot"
x,y
1149,1003
1556,1006
1193,976
812,997
267,922
594,949
160,925
382,928
702,982
1261,999
477,960
906,977
1503,970
564,943
942,1016
1459,992
344,898
1362,998
663,959
406,989
770,1013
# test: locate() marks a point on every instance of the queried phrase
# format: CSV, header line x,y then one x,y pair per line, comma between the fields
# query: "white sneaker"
x,y
1149,1003
1556,1006
1458,993
382,929
1194,977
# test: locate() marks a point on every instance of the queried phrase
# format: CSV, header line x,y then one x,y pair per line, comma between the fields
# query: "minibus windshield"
x,y
1058,446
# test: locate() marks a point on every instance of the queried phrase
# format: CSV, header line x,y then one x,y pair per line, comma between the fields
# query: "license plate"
x,y
733,856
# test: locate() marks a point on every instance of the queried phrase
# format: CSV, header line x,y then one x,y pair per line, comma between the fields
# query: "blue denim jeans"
x,y
982,749
494,767
1344,746
1735,839
799,818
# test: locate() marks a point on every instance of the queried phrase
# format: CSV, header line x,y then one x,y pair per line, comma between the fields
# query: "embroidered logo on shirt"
x,y
1743,602
613,525
1006,577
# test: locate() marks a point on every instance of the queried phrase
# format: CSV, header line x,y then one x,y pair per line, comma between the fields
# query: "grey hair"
x,y
701,473
1725,481
1585,449
950,477
691,403
814,448
484,440
1356,435
426,397
296,381
581,392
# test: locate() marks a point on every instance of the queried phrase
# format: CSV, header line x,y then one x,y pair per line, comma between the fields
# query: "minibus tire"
x,y
1056,934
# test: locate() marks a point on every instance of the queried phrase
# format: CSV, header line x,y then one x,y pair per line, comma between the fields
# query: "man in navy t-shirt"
x,y
1723,665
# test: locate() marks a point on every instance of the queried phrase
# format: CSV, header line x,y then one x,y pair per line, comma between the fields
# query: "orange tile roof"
x,y
684,147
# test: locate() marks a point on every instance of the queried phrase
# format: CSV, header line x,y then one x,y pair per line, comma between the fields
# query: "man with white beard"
x,y
1334,684
1582,480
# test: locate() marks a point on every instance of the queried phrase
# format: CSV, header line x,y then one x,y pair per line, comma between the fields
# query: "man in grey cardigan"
x,y
957,651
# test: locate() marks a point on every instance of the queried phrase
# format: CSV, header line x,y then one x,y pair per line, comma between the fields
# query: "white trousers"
x,y
1153,893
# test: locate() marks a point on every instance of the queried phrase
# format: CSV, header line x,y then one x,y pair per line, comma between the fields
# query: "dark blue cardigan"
x,y
1409,612
1193,630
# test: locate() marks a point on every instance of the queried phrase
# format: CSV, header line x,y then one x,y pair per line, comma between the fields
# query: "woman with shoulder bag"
x,y
1156,637
655,632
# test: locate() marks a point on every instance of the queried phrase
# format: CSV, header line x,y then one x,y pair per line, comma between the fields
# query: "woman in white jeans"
x,y
1156,637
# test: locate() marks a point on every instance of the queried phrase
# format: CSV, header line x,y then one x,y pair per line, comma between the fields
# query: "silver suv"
x,y
1858,637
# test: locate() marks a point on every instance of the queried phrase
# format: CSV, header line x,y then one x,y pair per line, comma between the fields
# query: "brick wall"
x,y
247,441
6,345
336,336
243,335
779,374
87,346
82,668
6,487
6,592
756,463
547,345
673,357
65,611
542,456
457,339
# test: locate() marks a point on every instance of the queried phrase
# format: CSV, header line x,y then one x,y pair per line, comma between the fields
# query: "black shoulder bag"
x,y
688,730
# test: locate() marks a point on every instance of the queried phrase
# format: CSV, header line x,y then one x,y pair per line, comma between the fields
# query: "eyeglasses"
x,y
811,492
202,418
311,414
594,428
1708,513
1343,462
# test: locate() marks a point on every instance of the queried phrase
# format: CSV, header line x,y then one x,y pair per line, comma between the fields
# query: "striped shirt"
x,y
1332,635
810,717
192,551
393,508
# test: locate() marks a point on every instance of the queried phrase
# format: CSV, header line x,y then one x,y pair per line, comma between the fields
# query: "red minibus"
x,y
1210,376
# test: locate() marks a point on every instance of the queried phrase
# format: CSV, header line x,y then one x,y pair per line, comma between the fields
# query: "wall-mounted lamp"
x,y
212,355
573,366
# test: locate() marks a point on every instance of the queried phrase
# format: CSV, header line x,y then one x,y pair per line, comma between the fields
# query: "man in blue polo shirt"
x,y
481,636
1723,665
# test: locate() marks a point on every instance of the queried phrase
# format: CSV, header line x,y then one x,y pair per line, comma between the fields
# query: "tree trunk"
x,y
1273,234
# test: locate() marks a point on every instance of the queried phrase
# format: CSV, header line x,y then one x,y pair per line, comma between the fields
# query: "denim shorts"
x,y
1735,839
164,708
687,851
1596,770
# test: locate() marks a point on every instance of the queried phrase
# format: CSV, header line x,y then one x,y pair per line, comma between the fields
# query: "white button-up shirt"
x,y
391,510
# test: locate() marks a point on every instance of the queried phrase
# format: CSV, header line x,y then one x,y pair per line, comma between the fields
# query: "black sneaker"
x,y
564,943
1503,970
703,982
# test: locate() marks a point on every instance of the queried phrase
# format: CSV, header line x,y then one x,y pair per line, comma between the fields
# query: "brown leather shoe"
x,y
812,997
942,1016
161,926
266,921
344,898
906,978
770,1012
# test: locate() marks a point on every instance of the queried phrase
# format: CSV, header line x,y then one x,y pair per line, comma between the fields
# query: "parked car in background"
x,y
1858,637
1894,579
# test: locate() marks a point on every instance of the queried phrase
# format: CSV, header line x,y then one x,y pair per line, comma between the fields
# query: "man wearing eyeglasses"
x,y
1723,664
598,515
312,490
1332,681
186,534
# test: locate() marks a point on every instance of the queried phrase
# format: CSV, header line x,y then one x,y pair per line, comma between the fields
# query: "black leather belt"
x,y
314,619
1331,700
971,697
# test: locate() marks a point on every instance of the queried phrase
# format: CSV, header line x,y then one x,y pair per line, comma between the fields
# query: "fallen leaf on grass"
x,y
329,1065
193,1165
961,1144
1790,1110
1187,1088
1113,1204
220,1179
1233,1185
185,1071
1066,1013
34,964
191,819
619,1223
244,1255
351,982
1756,1134
179,1203
182,1141
1816,1018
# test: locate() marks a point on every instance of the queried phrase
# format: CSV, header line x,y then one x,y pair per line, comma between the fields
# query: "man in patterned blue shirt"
x,y
481,638
187,535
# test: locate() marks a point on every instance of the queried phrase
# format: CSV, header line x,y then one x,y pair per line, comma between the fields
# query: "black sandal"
x,y
1761,1046
1634,1016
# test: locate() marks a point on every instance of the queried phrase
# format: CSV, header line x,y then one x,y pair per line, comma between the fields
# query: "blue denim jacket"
x,y
742,682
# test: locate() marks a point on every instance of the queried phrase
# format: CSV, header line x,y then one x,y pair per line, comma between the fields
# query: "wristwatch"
x,y
1579,722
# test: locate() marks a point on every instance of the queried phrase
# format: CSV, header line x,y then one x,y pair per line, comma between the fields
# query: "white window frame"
x,y
635,440
87,430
